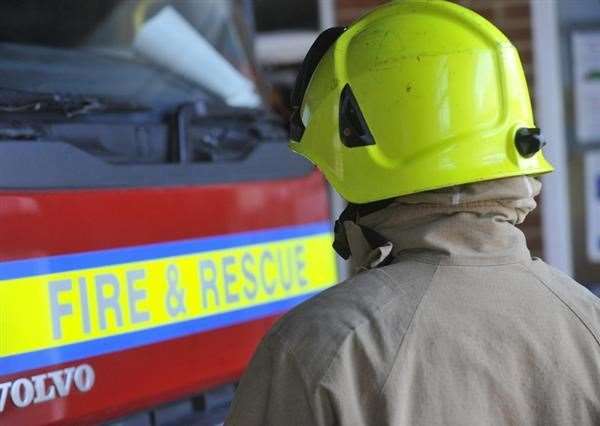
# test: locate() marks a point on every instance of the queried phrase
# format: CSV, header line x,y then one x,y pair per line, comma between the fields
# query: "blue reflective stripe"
x,y
47,357
70,262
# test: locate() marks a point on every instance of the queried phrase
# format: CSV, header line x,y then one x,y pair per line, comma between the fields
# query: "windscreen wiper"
x,y
16,102
220,132
192,133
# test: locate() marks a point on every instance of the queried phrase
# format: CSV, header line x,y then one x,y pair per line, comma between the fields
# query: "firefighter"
x,y
419,115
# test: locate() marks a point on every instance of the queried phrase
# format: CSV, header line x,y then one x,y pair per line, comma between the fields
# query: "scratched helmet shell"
x,y
414,96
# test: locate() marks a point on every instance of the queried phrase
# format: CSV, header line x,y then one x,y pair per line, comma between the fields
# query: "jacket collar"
x,y
467,225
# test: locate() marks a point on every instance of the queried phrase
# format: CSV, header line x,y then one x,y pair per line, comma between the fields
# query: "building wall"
x,y
514,19
577,15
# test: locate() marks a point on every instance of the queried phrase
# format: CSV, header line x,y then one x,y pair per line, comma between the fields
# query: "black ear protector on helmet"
x,y
354,131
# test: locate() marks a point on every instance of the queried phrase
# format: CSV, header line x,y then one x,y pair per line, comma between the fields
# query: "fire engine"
x,y
153,224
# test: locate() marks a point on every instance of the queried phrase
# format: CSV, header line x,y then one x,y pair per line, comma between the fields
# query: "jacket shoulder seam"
x,y
352,331
401,341
311,386
579,315
307,388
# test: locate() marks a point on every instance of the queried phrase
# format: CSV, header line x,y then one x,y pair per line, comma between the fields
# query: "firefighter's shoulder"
x,y
583,305
361,320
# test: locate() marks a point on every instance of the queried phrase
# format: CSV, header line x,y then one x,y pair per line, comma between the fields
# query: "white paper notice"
x,y
586,75
592,201
167,39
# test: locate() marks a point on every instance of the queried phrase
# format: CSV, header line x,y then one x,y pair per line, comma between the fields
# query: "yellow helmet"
x,y
414,96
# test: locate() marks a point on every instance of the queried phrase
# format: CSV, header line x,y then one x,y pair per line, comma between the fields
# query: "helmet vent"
x,y
354,131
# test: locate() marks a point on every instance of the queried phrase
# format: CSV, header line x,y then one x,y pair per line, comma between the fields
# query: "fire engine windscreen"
x,y
205,42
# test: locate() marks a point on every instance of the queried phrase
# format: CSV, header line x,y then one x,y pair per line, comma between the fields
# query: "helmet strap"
x,y
367,247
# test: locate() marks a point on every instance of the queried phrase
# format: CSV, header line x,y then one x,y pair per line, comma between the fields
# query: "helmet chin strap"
x,y
366,248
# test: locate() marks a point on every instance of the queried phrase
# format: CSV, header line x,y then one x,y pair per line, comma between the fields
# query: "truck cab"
x,y
153,223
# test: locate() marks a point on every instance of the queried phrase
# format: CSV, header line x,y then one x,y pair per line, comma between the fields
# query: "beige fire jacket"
x,y
464,328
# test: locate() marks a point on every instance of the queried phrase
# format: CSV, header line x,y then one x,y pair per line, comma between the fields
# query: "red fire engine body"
x,y
38,226
153,223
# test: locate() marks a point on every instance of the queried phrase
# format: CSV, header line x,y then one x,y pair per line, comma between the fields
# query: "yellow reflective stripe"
x,y
47,311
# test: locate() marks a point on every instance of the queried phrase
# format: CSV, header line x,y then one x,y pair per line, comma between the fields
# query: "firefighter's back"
x,y
424,343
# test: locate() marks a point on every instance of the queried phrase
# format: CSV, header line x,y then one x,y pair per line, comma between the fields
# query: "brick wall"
x,y
513,18
348,10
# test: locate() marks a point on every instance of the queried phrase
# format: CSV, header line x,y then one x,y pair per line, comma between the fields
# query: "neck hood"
x,y
464,225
